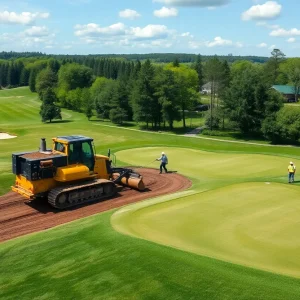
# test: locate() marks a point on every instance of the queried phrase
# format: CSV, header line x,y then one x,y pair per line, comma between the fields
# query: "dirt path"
x,y
19,216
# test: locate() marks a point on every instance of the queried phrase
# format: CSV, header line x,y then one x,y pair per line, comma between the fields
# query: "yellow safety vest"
x,y
291,169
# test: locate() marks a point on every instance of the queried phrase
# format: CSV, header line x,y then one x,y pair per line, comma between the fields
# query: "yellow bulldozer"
x,y
70,173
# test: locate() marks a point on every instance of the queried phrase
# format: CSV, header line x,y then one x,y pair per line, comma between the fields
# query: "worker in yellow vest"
x,y
292,171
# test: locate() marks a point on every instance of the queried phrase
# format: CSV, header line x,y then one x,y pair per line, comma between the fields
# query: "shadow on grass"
x,y
234,135
59,121
178,131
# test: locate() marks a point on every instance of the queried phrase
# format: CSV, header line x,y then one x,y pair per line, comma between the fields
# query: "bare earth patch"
x,y
20,216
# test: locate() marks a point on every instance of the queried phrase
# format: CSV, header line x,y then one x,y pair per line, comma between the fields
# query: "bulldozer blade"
x,y
132,182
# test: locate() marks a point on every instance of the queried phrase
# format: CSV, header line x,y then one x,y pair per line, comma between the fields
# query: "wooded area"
x,y
156,94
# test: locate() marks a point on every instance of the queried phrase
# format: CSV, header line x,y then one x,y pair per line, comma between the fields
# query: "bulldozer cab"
x,y
79,150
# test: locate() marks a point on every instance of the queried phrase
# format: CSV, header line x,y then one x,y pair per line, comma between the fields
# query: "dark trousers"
x,y
163,165
291,177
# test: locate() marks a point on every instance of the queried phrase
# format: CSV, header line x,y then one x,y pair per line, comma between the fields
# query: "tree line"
x,y
153,57
157,95
143,92
249,103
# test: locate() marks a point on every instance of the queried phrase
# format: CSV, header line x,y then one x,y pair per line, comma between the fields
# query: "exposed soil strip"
x,y
18,216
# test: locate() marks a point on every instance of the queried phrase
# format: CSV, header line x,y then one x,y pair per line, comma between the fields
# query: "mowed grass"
x,y
88,259
252,224
204,165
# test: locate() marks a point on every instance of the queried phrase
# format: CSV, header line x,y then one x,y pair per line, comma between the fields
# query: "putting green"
x,y
209,165
252,224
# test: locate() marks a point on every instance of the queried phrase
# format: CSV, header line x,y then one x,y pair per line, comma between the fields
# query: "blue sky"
x,y
208,27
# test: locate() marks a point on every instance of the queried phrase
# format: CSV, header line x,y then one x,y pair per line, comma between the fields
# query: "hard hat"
x,y
291,163
162,153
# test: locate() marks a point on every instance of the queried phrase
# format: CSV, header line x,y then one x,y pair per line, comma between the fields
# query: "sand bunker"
x,y
4,136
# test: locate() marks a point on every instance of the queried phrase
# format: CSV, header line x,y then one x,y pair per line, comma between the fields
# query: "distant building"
x,y
287,91
206,88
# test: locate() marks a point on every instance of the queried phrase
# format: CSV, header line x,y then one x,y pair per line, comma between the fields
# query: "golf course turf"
x,y
233,235
252,224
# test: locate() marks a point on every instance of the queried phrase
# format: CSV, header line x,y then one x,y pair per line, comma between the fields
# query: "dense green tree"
x,y
270,128
98,86
3,73
226,73
145,105
74,99
87,103
45,79
176,62
54,65
168,94
24,77
106,99
291,68
199,69
32,77
213,71
242,100
117,115
288,122
49,110
272,67
213,118
187,82
73,76
123,96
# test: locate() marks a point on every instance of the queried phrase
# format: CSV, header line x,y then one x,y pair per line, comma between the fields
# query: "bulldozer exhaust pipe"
x,y
43,146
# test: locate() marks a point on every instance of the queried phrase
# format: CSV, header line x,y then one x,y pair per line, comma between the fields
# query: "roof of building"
x,y
285,89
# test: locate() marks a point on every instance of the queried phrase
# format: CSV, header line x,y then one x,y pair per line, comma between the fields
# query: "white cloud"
x,y
284,32
150,31
90,41
194,45
291,40
93,29
161,44
187,34
269,26
24,18
165,12
262,45
272,47
201,3
218,41
37,31
129,14
127,36
268,10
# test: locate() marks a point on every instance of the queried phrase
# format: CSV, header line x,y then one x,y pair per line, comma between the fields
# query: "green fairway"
x,y
87,259
209,165
253,224
233,235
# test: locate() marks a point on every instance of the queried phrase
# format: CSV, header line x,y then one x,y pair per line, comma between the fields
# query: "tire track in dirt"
x,y
18,216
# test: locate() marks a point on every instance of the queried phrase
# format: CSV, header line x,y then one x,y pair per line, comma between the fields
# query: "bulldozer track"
x,y
19,216
84,193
